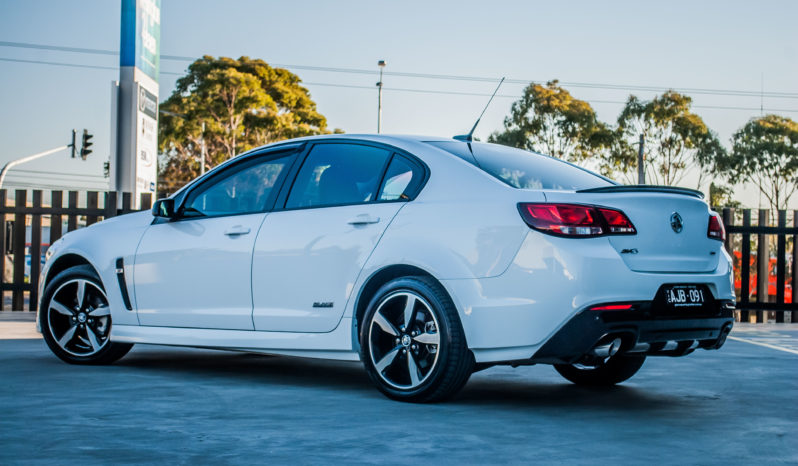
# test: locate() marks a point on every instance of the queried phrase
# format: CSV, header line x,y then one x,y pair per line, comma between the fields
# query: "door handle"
x,y
237,230
363,219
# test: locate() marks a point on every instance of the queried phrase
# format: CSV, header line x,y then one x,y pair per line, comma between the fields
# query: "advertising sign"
x,y
146,141
135,101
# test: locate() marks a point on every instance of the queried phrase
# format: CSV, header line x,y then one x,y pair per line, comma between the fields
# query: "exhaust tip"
x,y
608,349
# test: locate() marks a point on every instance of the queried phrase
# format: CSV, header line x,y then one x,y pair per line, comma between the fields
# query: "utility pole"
x,y
381,64
641,169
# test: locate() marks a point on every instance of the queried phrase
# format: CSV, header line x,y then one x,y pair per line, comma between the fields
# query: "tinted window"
x,y
246,190
336,174
523,169
397,179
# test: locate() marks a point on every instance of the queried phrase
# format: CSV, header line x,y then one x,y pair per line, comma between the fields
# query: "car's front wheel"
x,y
76,319
412,342
614,370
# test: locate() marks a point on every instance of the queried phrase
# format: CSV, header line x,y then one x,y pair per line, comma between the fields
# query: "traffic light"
x,y
86,144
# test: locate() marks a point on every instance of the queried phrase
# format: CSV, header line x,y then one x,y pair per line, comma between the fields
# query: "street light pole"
x,y
29,158
381,64
84,151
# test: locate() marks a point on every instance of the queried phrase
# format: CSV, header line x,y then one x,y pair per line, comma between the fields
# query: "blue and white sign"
x,y
141,36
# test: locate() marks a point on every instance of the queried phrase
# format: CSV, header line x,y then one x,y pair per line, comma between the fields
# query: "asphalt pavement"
x,y
167,405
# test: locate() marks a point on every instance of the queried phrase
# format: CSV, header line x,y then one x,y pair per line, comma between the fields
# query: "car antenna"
x,y
470,136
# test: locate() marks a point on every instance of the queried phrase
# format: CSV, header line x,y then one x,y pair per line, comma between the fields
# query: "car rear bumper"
x,y
511,317
645,329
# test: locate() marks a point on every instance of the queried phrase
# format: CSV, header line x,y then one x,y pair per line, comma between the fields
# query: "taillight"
x,y
618,222
576,220
715,229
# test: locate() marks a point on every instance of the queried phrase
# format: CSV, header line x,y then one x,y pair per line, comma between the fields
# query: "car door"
x,y
308,256
195,270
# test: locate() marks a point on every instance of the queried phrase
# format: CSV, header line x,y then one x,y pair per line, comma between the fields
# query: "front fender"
x,y
100,245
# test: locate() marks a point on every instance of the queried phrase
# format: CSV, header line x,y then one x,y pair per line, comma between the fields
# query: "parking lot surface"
x,y
738,405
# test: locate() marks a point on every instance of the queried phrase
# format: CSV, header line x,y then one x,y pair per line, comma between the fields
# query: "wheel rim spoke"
x,y
67,336
387,360
428,338
412,368
95,344
101,311
61,309
386,326
410,305
81,295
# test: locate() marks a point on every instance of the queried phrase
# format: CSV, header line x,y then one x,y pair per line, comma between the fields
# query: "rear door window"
x,y
338,174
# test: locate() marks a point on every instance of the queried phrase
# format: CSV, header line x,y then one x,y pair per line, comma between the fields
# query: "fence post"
x,y
728,219
17,294
57,203
745,266
91,203
781,255
127,202
794,316
762,263
3,246
72,220
35,250
110,204
146,201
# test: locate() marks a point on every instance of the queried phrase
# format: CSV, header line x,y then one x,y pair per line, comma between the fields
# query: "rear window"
x,y
523,169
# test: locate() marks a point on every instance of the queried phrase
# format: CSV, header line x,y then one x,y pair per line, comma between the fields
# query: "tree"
x,y
765,153
722,196
242,103
676,139
547,119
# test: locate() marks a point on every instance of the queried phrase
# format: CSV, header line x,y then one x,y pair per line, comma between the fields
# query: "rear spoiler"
x,y
644,188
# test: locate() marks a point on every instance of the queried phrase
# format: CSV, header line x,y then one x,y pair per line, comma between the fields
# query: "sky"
x,y
715,45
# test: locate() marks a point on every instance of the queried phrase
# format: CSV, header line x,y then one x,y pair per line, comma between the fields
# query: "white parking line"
x,y
766,345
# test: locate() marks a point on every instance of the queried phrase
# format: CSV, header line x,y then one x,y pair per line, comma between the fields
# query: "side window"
x,y
336,174
397,179
244,191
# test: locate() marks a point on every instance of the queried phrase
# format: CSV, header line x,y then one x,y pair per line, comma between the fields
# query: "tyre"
x,y
615,370
76,320
412,342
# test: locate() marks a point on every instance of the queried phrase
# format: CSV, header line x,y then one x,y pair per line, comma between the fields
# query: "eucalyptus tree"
x,y
241,103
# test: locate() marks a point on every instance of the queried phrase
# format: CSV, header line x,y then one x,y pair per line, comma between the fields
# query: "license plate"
x,y
685,296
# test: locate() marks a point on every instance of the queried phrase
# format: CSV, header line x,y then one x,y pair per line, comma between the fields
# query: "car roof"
x,y
390,139
376,137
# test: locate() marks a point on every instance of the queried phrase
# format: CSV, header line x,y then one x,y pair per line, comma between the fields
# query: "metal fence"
x,y
765,274
765,277
30,226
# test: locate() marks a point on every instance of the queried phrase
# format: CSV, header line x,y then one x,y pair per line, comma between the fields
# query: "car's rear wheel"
x,y
614,370
412,342
76,319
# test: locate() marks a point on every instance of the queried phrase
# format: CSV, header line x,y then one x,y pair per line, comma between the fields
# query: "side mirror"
x,y
164,208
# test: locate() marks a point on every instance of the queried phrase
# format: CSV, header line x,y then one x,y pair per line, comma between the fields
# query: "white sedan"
x,y
425,258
